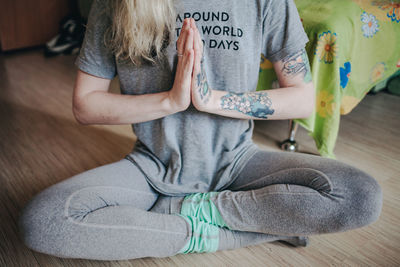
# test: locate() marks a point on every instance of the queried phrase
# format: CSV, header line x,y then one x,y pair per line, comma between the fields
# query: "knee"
x,y
28,223
37,223
371,196
364,200
31,223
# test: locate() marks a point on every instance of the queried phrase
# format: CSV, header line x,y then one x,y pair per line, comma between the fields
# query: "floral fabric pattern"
x,y
392,8
325,104
371,26
354,45
378,72
265,63
327,47
348,103
370,6
345,74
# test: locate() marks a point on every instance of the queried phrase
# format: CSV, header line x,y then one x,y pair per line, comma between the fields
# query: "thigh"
x,y
322,174
101,214
294,193
118,183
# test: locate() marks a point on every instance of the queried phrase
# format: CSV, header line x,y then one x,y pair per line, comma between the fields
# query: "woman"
x,y
195,182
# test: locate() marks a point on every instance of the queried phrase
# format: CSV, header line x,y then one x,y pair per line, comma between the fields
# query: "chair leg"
x,y
291,144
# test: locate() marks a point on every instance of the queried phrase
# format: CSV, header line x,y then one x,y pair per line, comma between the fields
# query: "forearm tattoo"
x,y
202,84
255,104
297,64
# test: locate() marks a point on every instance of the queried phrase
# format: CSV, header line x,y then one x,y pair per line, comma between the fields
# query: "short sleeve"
x,y
94,57
283,32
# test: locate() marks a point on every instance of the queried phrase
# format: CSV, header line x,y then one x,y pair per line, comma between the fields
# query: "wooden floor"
x,y
41,144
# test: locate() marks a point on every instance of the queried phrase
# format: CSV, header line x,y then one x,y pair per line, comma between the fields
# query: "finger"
x,y
189,61
182,37
185,67
185,71
189,40
198,53
196,68
193,27
197,41
196,64
193,24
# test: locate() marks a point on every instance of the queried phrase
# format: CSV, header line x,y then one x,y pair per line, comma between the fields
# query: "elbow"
x,y
80,113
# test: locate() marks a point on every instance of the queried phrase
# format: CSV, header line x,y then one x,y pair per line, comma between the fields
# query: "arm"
x,y
295,99
93,104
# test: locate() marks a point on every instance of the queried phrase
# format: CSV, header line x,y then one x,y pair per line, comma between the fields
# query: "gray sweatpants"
x,y
112,213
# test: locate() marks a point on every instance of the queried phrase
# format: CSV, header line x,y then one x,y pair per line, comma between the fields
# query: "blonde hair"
x,y
140,29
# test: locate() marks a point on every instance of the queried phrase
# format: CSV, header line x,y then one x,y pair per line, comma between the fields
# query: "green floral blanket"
x,y
354,45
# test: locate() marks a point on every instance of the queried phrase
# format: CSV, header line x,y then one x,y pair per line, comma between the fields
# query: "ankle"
x,y
201,206
204,237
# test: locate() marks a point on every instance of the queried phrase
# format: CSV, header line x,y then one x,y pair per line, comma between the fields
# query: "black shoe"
x,y
69,40
297,241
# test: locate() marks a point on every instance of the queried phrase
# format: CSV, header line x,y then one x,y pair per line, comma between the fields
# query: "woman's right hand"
x,y
180,94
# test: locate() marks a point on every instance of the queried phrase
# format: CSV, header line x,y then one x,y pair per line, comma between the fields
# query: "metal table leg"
x,y
291,144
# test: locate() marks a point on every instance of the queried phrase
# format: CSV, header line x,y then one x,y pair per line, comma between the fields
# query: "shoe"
x,y
297,241
69,40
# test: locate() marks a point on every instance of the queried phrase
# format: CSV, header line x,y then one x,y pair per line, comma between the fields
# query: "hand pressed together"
x,y
201,91
180,94
191,83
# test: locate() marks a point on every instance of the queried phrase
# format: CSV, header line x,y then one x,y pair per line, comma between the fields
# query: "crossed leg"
x,y
290,194
102,214
112,213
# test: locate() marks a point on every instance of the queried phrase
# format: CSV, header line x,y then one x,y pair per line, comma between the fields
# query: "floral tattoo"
x,y
202,84
297,63
255,104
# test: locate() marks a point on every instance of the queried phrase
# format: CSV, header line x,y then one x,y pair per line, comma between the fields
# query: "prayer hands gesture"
x,y
190,80
180,94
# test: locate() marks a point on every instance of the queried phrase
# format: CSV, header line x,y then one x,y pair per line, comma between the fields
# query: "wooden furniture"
x,y
26,23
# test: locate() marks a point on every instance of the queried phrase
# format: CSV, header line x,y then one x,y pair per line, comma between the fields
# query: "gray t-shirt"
x,y
192,151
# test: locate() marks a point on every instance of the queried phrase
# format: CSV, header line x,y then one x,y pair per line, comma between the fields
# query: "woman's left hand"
x,y
201,92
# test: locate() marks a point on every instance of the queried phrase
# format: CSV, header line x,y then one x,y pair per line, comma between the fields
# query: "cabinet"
x,y
25,23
